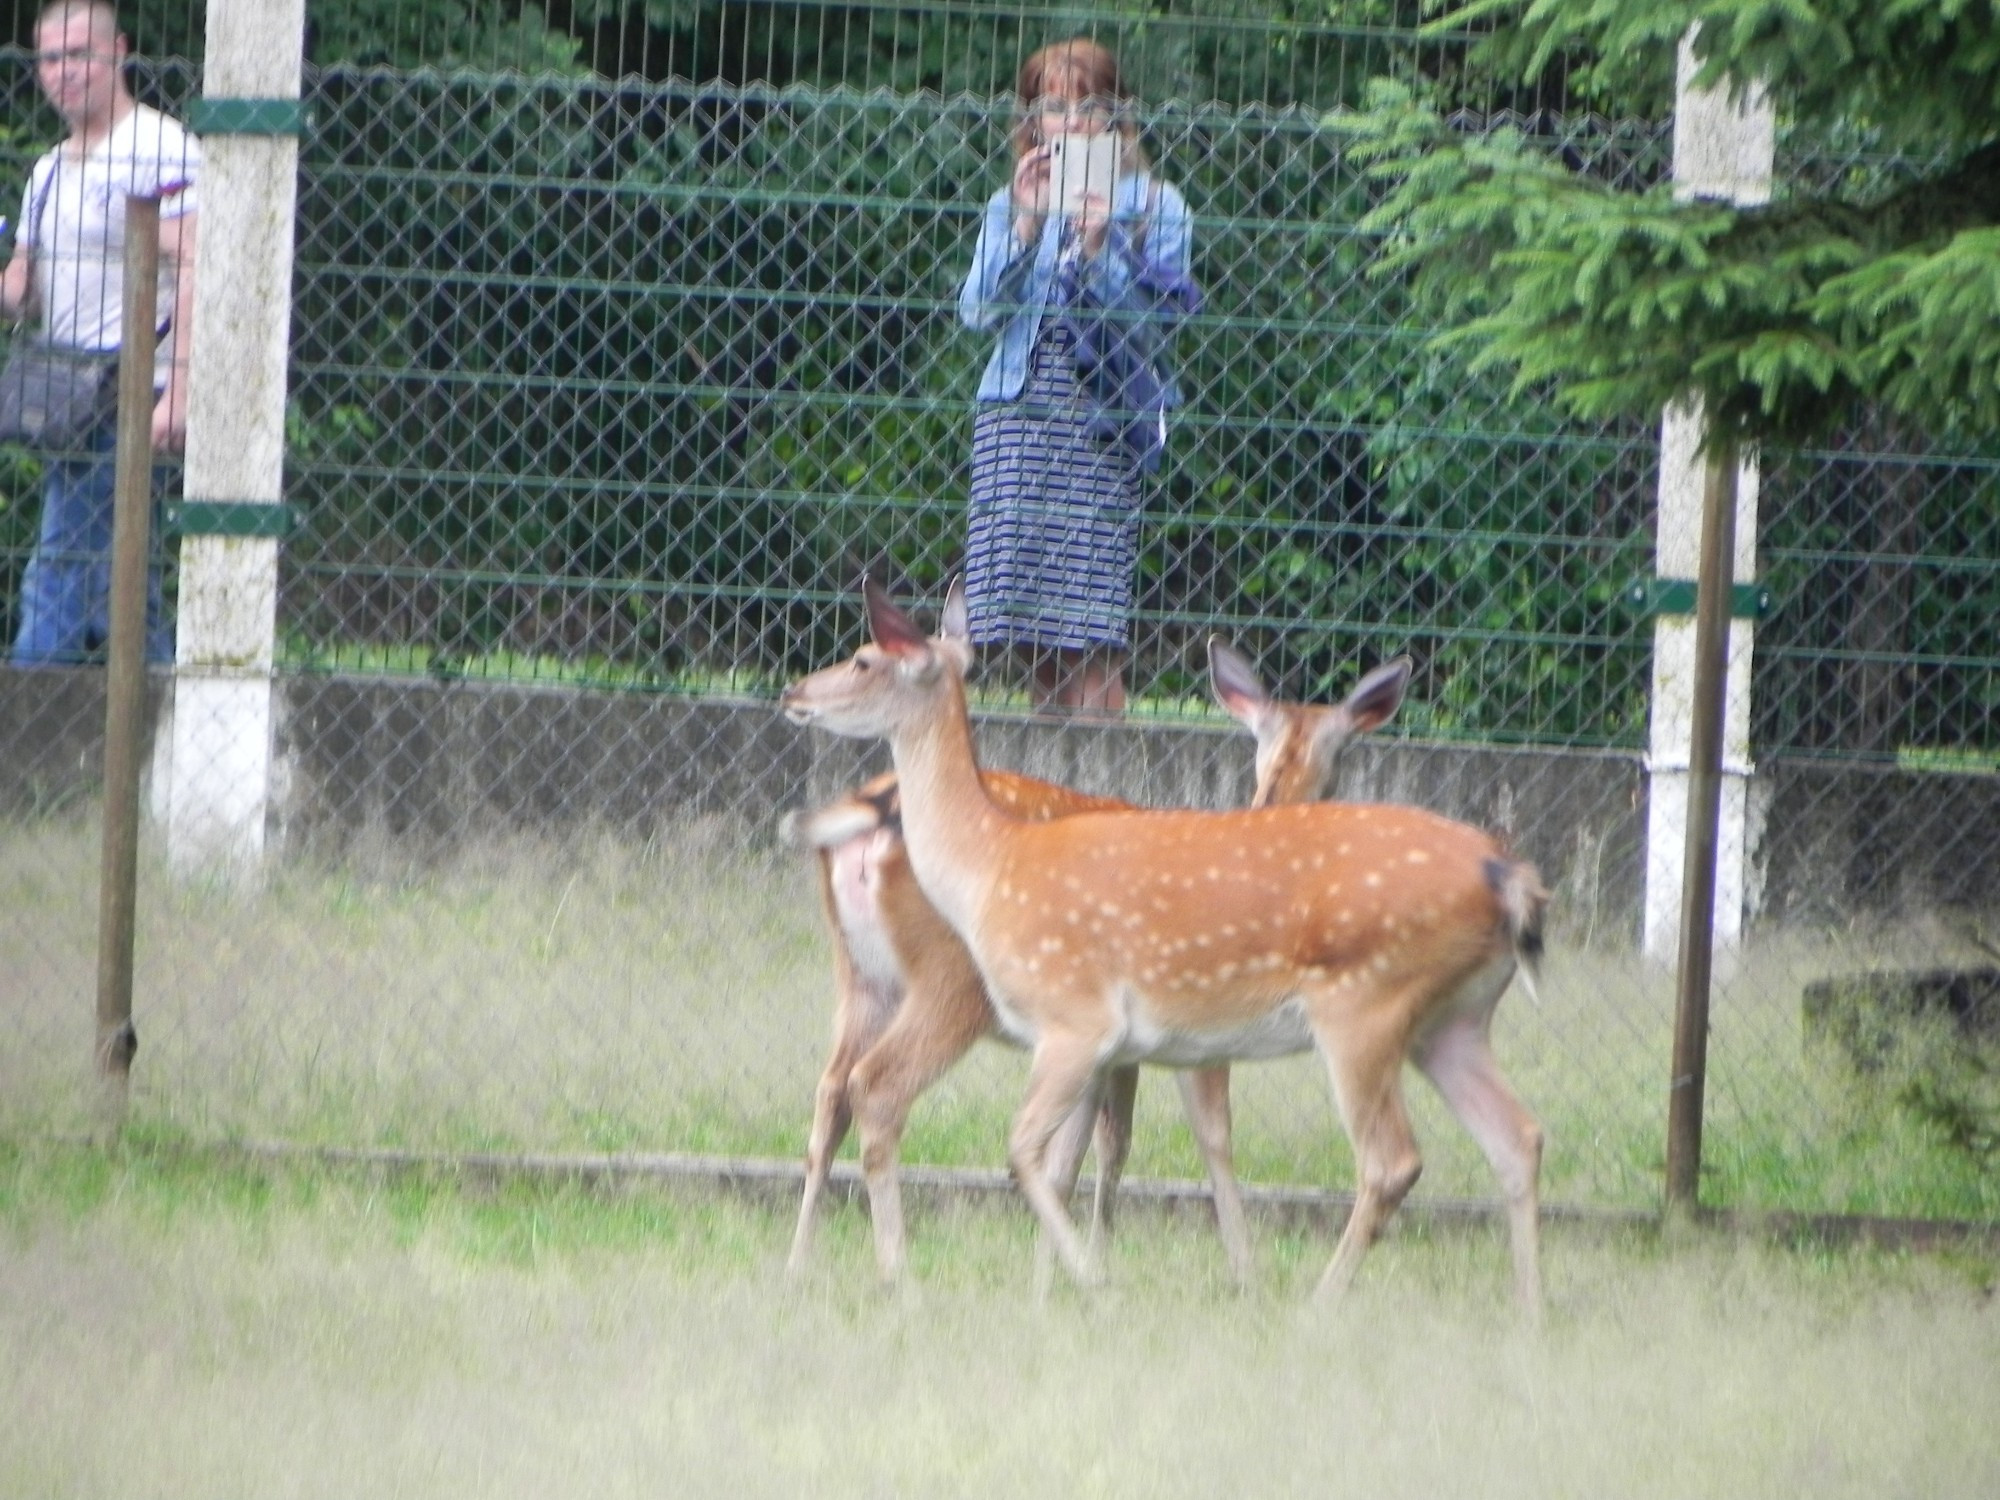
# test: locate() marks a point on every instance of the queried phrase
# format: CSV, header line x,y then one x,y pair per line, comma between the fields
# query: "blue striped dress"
x,y
1053,529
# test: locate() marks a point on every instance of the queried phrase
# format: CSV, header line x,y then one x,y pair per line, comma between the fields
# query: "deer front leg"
x,y
1058,1079
1113,1137
1065,1163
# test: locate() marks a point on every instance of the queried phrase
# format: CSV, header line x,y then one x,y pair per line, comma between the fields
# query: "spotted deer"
x,y
909,1002
1374,934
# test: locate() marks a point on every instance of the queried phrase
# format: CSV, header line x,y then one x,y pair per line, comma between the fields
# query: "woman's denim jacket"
x,y
1130,297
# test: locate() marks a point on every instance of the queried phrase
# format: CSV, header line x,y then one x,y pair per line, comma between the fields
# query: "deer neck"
x,y
952,829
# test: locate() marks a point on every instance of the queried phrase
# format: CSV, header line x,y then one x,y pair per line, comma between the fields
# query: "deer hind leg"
x,y
861,1019
1062,1073
1459,1061
1205,1096
1364,1054
831,1117
944,1013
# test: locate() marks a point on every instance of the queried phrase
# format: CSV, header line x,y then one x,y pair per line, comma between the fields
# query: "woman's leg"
x,y
1091,682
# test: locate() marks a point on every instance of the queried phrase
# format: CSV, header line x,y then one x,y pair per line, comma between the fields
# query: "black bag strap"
x,y
40,190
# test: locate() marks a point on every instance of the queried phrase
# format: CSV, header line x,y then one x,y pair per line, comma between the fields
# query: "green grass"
x,y
298,655
597,994
1951,760
182,1324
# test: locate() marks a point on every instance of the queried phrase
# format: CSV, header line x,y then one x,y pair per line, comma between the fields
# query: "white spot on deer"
x,y
1372,880
1418,857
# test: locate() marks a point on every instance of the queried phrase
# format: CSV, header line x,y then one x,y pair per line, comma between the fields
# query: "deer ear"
x,y
894,631
1377,696
954,637
1235,682
953,624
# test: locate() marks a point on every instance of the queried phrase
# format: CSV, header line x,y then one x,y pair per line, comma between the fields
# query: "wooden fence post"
x,y
1714,588
125,677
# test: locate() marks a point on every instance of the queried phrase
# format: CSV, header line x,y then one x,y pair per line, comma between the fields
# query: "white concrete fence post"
x,y
219,766
1723,148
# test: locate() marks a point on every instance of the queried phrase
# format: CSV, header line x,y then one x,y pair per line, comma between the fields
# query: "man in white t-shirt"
x,y
68,270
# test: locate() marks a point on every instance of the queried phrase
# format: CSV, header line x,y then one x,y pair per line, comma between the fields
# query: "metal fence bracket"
x,y
1675,596
248,117
265,518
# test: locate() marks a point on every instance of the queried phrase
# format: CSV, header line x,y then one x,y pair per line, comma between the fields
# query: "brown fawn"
x,y
1376,934
908,999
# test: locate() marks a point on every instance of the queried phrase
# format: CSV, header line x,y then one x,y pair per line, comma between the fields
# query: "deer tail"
x,y
1522,897
864,810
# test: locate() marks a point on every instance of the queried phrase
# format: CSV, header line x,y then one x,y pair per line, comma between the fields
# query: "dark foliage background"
x,y
623,341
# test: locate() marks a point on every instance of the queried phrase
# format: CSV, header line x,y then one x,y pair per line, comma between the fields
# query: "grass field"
x,y
182,1320
178,1324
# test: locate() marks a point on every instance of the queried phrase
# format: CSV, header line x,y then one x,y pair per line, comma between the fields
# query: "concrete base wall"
x,y
434,763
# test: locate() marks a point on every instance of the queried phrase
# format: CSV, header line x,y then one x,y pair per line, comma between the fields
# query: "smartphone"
x,y
1080,164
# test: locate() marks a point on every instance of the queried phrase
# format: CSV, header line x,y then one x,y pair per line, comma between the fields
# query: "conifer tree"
x,y
1880,289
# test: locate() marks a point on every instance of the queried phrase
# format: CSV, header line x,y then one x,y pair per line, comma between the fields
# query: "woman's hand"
x,y
1093,221
1031,193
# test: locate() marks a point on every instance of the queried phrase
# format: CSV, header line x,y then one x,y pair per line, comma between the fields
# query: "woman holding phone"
x,y
1080,272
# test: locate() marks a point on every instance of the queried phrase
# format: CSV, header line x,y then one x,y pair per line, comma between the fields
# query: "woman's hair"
x,y
1078,68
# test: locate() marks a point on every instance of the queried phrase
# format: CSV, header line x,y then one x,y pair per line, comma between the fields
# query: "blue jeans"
x,y
66,590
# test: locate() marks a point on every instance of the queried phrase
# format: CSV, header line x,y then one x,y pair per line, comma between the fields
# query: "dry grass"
x,y
183,1329
600,995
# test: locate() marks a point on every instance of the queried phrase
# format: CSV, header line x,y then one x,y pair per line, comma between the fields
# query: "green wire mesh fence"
x,y
647,377
605,389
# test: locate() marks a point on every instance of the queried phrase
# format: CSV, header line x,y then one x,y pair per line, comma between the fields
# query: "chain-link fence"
x,y
605,392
